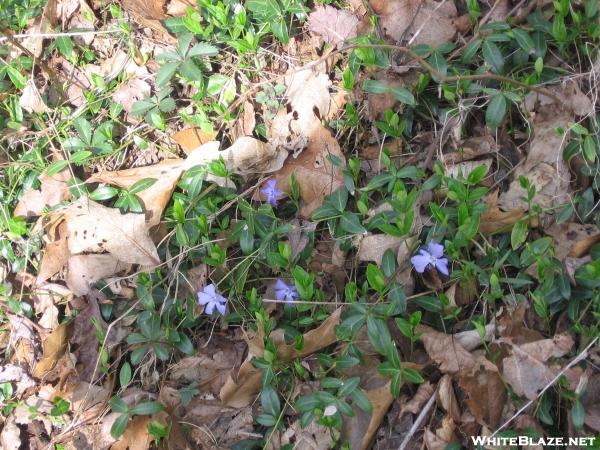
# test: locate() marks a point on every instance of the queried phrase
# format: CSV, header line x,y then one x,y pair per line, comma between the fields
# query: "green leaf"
x,y
495,111
119,426
165,73
84,130
141,107
270,401
524,40
439,63
375,87
518,234
379,335
412,376
470,51
348,386
403,95
351,223
203,49
388,263
190,70
118,405
56,166
326,211
80,157
104,193
477,174
125,375
65,46
147,408
578,414
589,148
339,199
493,56
362,401
141,185
375,277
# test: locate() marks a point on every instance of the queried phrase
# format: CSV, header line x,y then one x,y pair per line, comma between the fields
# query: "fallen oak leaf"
x,y
573,239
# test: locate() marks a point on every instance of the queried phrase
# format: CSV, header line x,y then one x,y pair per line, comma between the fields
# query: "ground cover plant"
x,y
287,224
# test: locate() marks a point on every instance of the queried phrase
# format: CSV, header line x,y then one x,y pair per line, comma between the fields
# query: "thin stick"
x,y
420,419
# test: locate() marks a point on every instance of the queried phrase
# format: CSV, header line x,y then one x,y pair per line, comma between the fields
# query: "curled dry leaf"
x,y
11,373
411,20
544,165
317,176
136,436
493,220
54,347
573,239
332,24
479,379
241,389
442,437
415,404
31,100
527,370
189,139
361,429
85,270
130,92
313,437
46,297
53,190
372,247
446,398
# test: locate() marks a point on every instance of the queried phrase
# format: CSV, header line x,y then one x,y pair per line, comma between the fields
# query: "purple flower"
x,y
270,192
210,299
432,256
284,291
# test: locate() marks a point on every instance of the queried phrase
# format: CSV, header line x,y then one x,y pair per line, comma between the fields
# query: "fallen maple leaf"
x,y
334,25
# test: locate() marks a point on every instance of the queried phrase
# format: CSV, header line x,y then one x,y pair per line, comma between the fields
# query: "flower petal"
x,y
221,299
442,265
209,289
209,308
435,249
204,298
420,262
221,308
280,284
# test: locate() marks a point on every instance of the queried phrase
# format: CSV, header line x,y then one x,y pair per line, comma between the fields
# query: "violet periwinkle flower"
x,y
210,299
432,256
270,192
284,291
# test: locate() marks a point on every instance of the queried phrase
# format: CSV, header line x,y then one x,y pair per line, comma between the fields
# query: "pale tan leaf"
x,y
416,404
334,25
192,138
53,190
130,92
373,246
413,19
31,99
136,437
84,270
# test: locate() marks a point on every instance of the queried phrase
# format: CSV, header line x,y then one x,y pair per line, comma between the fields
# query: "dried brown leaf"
x,y
54,347
334,25
415,404
53,190
192,138
84,270
573,239
136,437
527,369
412,20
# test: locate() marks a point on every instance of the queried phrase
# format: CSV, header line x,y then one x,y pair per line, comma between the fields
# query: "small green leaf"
x,y
351,223
375,87
348,386
104,193
147,408
125,374
495,111
141,185
524,40
119,426
84,130
203,49
388,263
589,148
270,401
518,234
118,405
375,277
493,56
403,95
56,166
578,414
339,199
165,73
